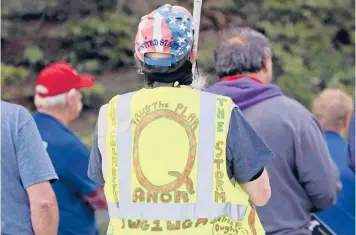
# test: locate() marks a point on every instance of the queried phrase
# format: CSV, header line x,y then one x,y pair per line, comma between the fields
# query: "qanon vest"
x,y
163,156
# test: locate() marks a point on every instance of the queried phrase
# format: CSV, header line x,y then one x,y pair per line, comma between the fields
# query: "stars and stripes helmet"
x,y
168,29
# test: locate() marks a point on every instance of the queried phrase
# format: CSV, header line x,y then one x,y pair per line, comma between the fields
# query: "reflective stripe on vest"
x,y
211,195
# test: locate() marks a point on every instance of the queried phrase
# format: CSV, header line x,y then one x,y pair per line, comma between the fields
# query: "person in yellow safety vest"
x,y
176,160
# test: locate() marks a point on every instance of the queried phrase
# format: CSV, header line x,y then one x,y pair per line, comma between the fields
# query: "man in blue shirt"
x,y
58,101
333,108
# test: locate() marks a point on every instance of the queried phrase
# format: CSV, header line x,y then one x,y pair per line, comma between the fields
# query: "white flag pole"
x,y
196,17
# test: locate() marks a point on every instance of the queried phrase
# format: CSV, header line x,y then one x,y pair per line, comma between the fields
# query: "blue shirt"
x,y
70,159
352,143
24,162
341,217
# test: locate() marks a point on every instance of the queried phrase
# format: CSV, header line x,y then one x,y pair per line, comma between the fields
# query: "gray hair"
x,y
242,50
332,107
50,102
57,101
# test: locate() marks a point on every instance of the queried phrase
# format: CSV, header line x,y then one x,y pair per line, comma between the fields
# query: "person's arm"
x,y
95,169
95,163
44,209
75,175
316,171
36,170
96,199
247,155
259,189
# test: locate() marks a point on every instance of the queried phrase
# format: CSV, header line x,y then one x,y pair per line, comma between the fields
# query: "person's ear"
x,y
267,63
70,98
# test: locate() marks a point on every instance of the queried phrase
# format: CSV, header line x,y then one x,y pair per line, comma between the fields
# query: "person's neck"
x,y
258,76
59,115
161,84
340,132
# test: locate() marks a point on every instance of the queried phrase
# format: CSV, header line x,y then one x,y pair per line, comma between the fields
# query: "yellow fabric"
x,y
221,226
152,143
111,179
155,123
224,191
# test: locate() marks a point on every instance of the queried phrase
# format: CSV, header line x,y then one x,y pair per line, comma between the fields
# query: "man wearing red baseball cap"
x,y
58,87
59,102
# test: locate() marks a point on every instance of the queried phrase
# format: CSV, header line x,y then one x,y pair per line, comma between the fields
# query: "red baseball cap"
x,y
59,78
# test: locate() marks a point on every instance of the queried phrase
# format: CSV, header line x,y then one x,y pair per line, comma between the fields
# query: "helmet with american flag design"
x,y
168,29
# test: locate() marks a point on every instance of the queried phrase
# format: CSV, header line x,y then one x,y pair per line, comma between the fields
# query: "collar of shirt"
x,y
236,77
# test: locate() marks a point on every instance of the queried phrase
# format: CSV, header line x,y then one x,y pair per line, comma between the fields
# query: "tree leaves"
x,y
33,54
12,74
303,39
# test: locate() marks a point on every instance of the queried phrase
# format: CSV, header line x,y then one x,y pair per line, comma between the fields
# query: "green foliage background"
x,y
313,44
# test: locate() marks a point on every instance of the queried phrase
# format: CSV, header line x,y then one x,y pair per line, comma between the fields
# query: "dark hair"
x,y
241,50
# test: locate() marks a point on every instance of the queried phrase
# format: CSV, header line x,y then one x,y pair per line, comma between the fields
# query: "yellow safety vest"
x,y
164,163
